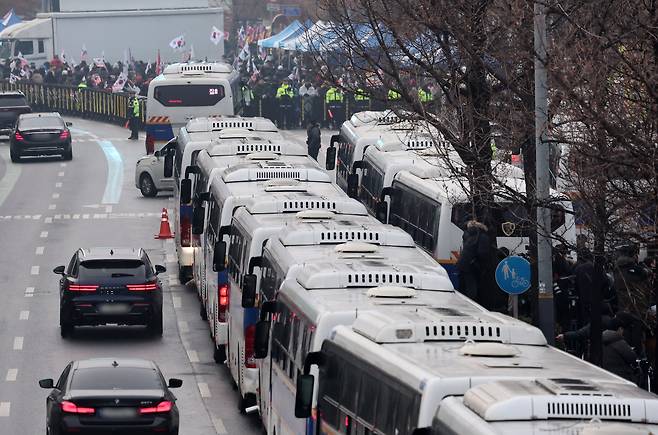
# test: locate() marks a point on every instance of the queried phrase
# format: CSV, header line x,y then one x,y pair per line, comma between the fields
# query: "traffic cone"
x,y
165,229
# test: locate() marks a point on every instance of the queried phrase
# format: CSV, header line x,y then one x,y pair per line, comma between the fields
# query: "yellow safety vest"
x,y
136,108
393,95
424,96
284,89
360,95
333,95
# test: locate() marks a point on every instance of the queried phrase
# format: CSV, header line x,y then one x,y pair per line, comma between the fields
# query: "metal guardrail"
x,y
83,102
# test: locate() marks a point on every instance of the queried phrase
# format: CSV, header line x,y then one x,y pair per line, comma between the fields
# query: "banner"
x,y
120,83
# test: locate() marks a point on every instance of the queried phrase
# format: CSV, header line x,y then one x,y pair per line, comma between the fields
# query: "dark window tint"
x,y
189,95
345,156
509,220
117,269
12,101
24,48
41,48
372,184
45,122
116,378
270,279
416,214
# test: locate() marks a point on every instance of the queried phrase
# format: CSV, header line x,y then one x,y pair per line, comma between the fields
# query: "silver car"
x,y
149,172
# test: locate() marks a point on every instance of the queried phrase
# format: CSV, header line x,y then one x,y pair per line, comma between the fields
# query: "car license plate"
x,y
113,308
118,412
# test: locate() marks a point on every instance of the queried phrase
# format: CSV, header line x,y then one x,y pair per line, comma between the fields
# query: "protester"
x,y
471,264
313,139
618,356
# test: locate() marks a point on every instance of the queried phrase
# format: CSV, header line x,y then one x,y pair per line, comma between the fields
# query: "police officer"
x,y
393,96
247,98
135,112
361,100
425,96
284,96
335,108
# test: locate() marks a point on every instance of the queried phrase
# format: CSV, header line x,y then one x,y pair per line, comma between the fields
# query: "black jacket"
x,y
475,250
313,137
618,356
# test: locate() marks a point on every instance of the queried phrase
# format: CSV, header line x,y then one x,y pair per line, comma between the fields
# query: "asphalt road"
x,y
48,209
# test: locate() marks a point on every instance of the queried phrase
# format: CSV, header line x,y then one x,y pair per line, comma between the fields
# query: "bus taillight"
x,y
223,293
249,346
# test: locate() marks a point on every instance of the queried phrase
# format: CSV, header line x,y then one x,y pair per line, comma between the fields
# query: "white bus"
x,y
219,155
197,135
389,372
364,129
185,91
323,296
559,406
251,227
435,211
233,188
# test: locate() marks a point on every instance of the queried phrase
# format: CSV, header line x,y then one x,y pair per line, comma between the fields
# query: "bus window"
x,y
368,393
270,280
372,183
350,386
345,154
331,380
235,252
189,95
416,215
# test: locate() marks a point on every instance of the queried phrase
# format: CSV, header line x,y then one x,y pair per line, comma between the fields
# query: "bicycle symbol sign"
x,y
513,275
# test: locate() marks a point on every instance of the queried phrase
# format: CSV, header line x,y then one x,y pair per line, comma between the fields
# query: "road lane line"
x,y
58,217
204,390
85,216
55,195
34,270
63,165
114,181
219,426
44,234
18,343
29,292
193,356
36,217
52,207
48,220
10,177
60,174
40,250
25,315
12,374
177,302
4,409
67,217
58,184
76,216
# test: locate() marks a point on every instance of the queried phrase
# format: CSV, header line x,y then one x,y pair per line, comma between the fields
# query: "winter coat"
x,y
618,356
313,137
475,249
634,294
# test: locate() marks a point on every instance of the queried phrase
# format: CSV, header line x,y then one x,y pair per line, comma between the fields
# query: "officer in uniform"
x,y
393,96
284,96
361,100
335,107
135,112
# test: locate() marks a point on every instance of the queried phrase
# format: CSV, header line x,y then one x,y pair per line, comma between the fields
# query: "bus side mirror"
x,y
169,165
219,256
304,396
249,291
352,185
381,212
330,163
262,339
185,191
198,220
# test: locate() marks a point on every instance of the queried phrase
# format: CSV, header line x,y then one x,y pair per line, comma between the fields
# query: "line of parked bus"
x,y
332,322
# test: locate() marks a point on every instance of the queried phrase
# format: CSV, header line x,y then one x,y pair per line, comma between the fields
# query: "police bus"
x,y
185,91
252,225
322,296
220,154
259,176
197,135
389,372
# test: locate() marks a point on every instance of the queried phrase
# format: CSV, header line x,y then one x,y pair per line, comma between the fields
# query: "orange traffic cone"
x,y
165,229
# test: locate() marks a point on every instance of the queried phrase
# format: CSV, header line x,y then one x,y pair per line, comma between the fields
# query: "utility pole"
x,y
544,257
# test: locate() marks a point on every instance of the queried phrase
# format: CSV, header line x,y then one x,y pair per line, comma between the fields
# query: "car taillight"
x,y
164,406
185,231
82,288
249,346
72,408
149,286
64,134
19,137
223,291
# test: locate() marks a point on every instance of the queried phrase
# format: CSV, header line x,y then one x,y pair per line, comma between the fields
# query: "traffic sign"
x,y
513,275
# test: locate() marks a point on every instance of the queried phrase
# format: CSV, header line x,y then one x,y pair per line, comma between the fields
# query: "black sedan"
x,y
111,396
40,134
103,286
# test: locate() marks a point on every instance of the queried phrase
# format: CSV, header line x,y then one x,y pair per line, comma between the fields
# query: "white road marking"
x,y
177,302
183,326
4,409
29,292
219,426
12,374
63,165
18,343
48,220
76,216
34,270
58,216
36,217
85,216
52,207
67,217
100,216
108,209
58,184
193,356
25,315
44,234
60,174
204,390
18,217
173,280
55,195
28,216
40,250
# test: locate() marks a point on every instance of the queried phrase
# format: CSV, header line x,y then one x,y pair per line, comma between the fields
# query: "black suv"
x,y
110,286
12,104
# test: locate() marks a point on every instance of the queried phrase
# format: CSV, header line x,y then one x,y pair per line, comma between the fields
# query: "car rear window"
x,y
46,123
12,101
102,269
116,378
189,95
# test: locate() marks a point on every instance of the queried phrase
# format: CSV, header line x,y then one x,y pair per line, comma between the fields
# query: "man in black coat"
x,y
473,260
618,356
313,139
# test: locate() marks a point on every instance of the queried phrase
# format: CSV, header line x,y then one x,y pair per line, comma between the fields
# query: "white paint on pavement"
x,y
36,217
204,390
52,207
48,220
177,301
18,343
4,409
60,174
44,234
34,270
63,165
12,374
55,195
85,216
193,356
219,426
29,292
58,184
25,315
39,250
